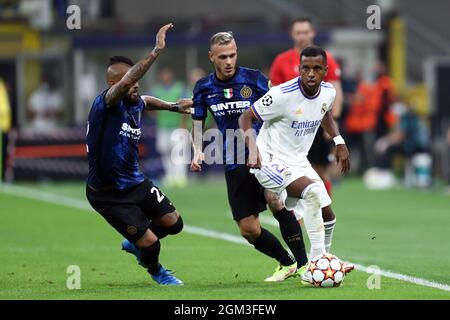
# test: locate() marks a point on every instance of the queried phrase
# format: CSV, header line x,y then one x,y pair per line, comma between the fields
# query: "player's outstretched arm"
x,y
342,153
246,125
120,89
197,144
181,106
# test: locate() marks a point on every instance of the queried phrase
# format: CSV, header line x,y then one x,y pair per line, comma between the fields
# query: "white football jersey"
x,y
291,120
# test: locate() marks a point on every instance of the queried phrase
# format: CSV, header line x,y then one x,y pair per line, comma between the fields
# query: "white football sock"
x,y
313,219
329,228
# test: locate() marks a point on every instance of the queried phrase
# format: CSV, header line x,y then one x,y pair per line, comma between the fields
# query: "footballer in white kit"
x,y
291,120
292,113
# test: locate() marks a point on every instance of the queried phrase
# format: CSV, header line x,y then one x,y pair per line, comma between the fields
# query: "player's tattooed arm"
x,y
181,106
248,134
342,153
121,88
198,127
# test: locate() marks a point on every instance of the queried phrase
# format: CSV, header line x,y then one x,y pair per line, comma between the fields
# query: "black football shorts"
x,y
245,194
130,211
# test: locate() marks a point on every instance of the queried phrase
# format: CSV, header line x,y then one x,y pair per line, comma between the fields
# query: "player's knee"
x,y
168,219
250,233
176,227
328,214
274,202
313,193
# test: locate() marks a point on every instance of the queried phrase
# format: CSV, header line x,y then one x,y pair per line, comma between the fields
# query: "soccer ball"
x,y
325,271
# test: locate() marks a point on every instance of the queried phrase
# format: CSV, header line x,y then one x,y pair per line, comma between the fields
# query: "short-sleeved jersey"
x,y
291,120
286,67
227,100
112,143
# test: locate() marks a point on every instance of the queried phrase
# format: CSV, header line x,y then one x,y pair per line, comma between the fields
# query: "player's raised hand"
x,y
161,37
185,105
343,157
196,162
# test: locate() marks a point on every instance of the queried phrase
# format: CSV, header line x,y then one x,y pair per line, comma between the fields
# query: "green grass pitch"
x,y
403,231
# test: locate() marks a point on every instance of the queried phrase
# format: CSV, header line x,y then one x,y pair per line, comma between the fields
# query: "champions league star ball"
x,y
325,271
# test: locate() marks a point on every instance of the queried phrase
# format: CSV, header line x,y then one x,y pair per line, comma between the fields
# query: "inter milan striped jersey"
x,y
291,120
227,100
112,143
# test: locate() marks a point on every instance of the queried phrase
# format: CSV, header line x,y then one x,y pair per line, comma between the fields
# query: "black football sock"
x,y
268,244
292,235
150,257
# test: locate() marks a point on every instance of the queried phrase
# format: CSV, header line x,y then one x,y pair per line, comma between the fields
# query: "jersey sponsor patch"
x,y
128,131
230,106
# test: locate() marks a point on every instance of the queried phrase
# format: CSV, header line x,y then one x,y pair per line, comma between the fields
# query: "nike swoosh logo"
x,y
213,95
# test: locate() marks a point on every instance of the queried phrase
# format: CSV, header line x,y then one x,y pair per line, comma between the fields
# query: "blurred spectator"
x,y
409,139
360,122
5,123
39,13
169,89
384,97
194,75
45,106
5,108
153,166
369,115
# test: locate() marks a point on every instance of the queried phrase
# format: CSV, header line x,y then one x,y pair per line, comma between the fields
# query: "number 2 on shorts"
x,y
159,195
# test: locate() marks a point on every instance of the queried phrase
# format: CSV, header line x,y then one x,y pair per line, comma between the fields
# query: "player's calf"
x,y
312,193
149,248
263,240
329,223
289,227
148,239
250,228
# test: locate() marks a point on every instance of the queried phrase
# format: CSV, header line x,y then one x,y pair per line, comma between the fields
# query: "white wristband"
x,y
338,140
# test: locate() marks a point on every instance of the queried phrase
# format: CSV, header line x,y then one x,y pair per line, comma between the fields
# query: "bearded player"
x,y
116,188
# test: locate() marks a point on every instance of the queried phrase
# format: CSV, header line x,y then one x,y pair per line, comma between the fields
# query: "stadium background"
x,y
35,43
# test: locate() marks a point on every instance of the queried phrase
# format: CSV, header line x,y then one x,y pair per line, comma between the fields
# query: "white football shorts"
x,y
276,176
